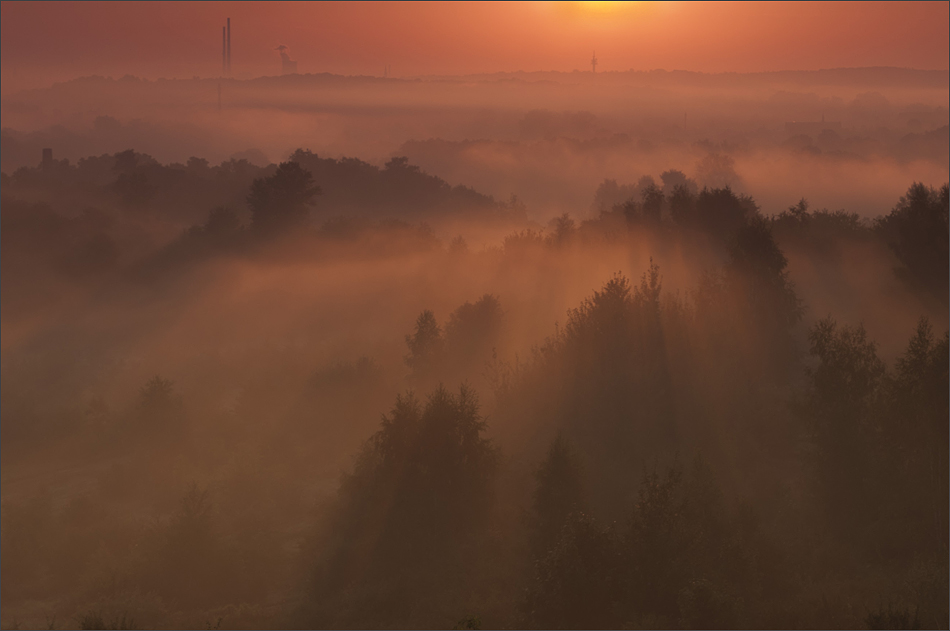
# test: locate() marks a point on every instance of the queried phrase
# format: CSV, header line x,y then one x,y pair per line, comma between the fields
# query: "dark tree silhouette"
x,y
193,563
820,232
682,204
473,330
759,267
558,493
653,202
578,582
718,212
843,395
614,394
676,564
281,201
917,231
158,405
915,439
682,554
674,179
893,618
563,230
426,346
222,222
399,189
421,489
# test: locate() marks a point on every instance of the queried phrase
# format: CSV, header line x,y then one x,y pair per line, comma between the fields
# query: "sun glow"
x,y
603,7
598,11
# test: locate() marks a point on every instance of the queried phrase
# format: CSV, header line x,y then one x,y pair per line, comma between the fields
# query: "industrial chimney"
x,y
288,65
229,47
224,52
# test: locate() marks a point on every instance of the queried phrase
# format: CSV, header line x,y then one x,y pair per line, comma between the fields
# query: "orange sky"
x,y
46,41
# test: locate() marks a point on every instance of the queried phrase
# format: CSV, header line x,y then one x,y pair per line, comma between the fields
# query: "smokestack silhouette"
x,y
224,52
229,47
288,66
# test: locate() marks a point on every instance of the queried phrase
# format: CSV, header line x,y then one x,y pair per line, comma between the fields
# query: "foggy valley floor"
x,y
527,367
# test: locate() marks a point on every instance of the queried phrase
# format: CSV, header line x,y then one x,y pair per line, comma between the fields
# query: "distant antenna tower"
x,y
593,63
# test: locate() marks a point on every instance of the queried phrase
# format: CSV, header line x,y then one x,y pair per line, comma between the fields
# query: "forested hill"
x,y
184,193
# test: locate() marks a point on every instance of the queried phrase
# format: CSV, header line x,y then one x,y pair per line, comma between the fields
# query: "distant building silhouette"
x,y
593,62
47,158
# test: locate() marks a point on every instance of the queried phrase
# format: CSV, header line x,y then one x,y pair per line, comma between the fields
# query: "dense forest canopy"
x,y
298,395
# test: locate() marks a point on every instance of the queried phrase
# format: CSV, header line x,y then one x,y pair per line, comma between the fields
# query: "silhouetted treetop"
x,y
422,485
849,369
558,493
399,189
158,405
426,344
917,231
579,581
473,330
281,201
757,263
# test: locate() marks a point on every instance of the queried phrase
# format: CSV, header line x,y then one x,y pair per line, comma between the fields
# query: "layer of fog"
x,y
550,139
